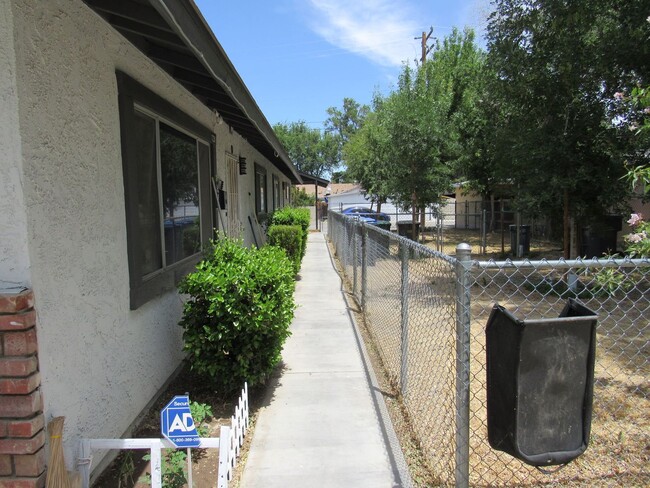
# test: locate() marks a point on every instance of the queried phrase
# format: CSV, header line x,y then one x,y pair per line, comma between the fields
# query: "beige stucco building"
x,y
122,125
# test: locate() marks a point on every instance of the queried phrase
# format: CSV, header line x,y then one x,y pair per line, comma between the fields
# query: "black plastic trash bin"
x,y
382,224
405,229
524,239
599,237
540,376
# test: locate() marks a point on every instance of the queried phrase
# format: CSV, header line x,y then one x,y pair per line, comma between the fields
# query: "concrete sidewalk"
x,y
325,423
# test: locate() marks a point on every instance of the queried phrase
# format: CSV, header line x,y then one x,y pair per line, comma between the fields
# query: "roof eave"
x,y
184,17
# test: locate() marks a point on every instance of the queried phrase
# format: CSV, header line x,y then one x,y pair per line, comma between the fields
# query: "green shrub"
x,y
289,238
237,317
294,216
300,198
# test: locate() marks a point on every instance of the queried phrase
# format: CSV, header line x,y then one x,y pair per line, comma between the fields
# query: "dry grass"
x,y
496,246
619,451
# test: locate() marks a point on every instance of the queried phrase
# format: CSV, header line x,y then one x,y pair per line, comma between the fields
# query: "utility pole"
x,y
425,50
425,41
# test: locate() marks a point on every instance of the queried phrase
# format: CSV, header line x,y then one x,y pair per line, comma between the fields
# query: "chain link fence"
x,y
427,311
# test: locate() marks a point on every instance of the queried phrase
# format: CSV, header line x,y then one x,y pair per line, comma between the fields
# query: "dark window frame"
x,y
286,194
261,170
277,195
132,95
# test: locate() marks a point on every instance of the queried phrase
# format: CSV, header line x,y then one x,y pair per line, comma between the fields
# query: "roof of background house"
x,y
174,35
331,189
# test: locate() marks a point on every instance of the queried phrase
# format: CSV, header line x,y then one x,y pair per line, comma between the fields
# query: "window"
x,y
260,190
166,161
286,191
276,193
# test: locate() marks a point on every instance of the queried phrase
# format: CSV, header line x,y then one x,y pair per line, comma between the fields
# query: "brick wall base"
x,y
22,424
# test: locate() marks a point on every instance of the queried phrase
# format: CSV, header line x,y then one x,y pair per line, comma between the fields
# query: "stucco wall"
x,y
100,362
14,259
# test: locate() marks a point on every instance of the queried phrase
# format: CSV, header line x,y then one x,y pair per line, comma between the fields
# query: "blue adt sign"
x,y
177,425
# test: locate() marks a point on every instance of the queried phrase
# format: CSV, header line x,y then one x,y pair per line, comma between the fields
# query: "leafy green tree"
x,y
312,151
557,66
415,117
341,176
300,198
345,122
366,155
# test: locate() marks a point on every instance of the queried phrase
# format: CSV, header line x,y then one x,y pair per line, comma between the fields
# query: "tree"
x,y
312,151
424,123
366,155
557,65
410,145
414,118
344,123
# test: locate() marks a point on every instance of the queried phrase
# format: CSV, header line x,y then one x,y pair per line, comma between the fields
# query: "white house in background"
x,y
118,121
356,197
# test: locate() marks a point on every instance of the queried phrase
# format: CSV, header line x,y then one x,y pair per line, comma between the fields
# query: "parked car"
x,y
369,216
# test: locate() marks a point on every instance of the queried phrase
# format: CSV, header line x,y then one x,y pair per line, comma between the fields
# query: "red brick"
x,y
23,446
21,343
38,482
16,302
31,464
20,406
3,428
18,321
20,386
6,468
17,366
25,428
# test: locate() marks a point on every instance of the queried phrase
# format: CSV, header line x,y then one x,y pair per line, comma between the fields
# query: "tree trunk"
x,y
492,216
414,212
423,216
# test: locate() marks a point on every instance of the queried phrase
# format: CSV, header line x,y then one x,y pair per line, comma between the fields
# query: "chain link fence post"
x,y
404,293
354,260
364,265
463,298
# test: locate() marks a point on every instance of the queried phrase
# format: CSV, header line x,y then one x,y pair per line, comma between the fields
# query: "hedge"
x,y
290,239
237,317
294,216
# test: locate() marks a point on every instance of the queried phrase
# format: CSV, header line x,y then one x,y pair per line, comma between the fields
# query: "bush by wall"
x,y
237,317
294,216
289,238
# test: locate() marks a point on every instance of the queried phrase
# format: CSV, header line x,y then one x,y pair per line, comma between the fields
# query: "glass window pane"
x,y
148,241
180,194
260,192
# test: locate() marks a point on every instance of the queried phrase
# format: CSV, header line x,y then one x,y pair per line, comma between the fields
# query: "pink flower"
x,y
634,238
635,218
618,95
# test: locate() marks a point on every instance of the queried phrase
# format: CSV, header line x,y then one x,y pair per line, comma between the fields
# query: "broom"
x,y
57,475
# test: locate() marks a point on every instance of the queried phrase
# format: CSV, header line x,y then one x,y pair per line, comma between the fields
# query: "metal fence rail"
x,y
426,312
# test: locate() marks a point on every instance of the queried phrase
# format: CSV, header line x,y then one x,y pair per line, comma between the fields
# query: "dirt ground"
x,y
128,469
497,246
619,450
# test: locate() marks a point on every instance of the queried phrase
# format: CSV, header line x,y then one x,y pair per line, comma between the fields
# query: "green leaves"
x,y
310,150
290,239
557,67
237,317
409,147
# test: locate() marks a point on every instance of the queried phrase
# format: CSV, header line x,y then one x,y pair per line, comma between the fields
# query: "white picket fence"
x,y
229,443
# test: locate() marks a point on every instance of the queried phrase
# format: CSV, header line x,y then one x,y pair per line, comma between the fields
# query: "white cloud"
x,y
381,30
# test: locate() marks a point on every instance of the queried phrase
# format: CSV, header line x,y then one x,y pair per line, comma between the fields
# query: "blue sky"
x,y
299,57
